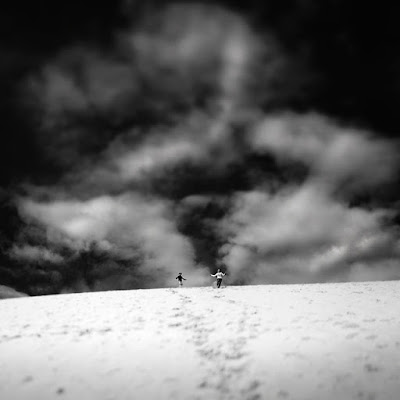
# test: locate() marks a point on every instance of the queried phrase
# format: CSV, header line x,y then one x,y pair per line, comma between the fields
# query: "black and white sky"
x,y
143,139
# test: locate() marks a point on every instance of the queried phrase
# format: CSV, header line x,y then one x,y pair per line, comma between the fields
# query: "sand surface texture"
x,y
324,341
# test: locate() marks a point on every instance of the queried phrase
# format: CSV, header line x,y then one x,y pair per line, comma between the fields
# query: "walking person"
x,y
219,276
180,279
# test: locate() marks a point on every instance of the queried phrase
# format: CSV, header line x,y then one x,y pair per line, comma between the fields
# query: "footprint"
x,y
351,335
60,391
351,326
253,385
283,394
371,368
255,396
203,385
235,356
175,325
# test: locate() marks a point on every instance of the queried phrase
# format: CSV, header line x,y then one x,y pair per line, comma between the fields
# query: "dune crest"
x,y
320,341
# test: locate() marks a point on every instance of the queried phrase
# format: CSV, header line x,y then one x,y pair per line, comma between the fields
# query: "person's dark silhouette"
x,y
180,278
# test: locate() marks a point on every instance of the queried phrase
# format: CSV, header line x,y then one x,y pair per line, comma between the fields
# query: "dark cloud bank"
x,y
139,141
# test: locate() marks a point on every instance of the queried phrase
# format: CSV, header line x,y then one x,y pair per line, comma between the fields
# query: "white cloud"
x,y
336,155
182,56
201,44
35,254
126,225
153,155
301,234
374,271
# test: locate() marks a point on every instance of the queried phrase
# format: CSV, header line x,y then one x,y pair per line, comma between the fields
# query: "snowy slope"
x,y
324,341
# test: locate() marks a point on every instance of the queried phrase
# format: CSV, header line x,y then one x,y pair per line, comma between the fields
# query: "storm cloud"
x,y
180,146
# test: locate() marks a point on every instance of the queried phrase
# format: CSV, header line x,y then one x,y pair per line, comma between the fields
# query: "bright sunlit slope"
x,y
321,341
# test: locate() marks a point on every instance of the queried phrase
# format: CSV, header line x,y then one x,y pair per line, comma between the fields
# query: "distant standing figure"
x,y
180,278
219,276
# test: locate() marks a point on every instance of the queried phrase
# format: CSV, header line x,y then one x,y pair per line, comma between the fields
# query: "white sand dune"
x,y
323,341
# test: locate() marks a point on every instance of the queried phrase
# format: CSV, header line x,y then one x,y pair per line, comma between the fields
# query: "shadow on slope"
x,y
10,293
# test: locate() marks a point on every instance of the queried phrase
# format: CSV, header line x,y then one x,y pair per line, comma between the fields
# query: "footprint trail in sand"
x,y
278,342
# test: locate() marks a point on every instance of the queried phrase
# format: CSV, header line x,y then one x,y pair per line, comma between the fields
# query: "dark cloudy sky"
x,y
143,139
